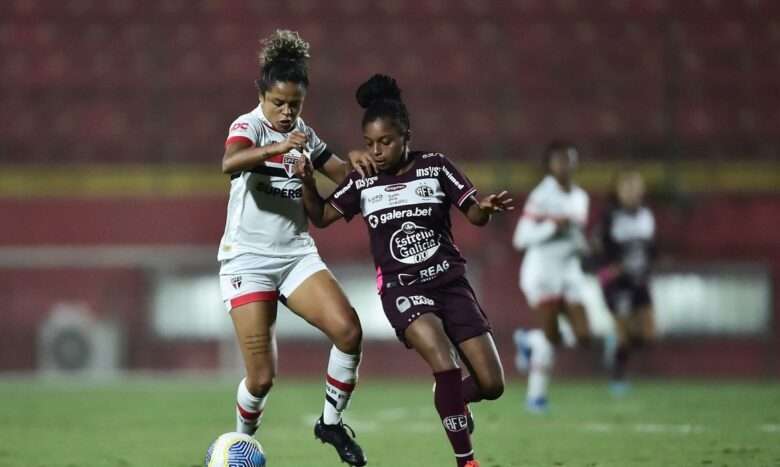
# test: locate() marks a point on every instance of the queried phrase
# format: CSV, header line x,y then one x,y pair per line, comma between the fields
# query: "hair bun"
x,y
283,45
377,88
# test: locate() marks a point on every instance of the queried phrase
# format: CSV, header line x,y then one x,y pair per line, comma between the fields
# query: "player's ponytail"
x,y
381,97
284,57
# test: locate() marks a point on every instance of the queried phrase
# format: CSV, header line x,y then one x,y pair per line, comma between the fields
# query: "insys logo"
x,y
412,244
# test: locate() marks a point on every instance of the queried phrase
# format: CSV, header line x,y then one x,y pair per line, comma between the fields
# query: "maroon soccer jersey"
x,y
408,219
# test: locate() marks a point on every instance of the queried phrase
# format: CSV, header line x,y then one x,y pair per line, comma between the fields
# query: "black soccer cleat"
x,y
338,437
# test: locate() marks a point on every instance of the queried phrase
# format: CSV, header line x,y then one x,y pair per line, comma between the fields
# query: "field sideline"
x,y
170,422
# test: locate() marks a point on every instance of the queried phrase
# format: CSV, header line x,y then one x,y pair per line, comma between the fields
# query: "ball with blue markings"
x,y
235,450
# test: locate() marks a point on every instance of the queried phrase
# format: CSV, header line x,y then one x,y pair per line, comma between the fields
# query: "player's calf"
x,y
249,407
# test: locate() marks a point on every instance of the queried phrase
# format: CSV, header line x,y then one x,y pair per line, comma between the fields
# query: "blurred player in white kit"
x,y
551,232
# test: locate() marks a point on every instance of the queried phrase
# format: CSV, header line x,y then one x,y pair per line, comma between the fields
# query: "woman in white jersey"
x,y
551,232
266,253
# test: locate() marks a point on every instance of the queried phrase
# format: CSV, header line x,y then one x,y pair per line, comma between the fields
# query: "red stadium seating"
x,y
515,73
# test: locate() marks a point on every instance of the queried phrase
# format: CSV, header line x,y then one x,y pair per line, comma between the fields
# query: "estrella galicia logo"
x,y
413,244
424,191
235,281
403,304
373,221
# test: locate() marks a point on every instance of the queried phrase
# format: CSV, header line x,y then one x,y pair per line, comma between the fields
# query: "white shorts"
x,y
256,278
544,281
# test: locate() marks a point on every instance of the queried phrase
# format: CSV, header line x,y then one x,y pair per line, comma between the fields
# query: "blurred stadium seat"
x,y
590,71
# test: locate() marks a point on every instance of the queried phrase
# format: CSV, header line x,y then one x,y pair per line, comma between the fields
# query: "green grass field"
x,y
140,422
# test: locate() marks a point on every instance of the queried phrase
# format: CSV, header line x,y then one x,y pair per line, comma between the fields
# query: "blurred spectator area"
x,y
160,81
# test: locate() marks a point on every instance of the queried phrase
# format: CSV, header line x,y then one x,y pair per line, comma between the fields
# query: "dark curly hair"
x,y
284,57
381,97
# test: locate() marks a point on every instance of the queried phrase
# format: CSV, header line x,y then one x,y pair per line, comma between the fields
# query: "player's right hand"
x,y
295,140
304,170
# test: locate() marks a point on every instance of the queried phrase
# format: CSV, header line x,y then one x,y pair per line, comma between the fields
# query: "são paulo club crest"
x,y
236,282
289,160
413,244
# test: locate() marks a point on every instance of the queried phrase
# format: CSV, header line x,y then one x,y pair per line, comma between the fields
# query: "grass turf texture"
x,y
169,423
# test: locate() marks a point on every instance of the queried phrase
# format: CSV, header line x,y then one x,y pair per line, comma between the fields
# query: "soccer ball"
x,y
235,450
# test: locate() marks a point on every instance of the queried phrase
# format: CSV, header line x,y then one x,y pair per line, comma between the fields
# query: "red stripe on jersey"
x,y
346,387
235,139
542,217
254,297
247,415
279,159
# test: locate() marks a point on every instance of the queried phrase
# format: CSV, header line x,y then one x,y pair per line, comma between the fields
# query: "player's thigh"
x,y
320,301
481,357
427,337
255,324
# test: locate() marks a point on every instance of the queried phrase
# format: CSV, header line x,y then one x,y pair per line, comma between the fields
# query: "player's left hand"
x,y
362,162
496,203
304,169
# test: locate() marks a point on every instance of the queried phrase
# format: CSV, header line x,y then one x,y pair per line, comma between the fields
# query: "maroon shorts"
x,y
454,303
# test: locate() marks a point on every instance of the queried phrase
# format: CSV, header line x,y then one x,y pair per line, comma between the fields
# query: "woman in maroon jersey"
x,y
420,272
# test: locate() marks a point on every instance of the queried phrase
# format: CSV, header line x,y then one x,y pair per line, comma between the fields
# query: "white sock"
x,y
339,384
249,409
541,365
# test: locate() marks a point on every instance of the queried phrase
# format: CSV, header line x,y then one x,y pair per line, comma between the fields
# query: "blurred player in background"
x,y
625,244
551,232
420,272
266,252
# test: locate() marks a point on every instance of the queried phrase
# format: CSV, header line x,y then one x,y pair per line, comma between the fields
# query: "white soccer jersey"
x,y
265,212
551,266
548,202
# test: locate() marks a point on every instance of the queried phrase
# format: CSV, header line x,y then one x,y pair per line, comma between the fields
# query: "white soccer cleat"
x,y
523,351
537,406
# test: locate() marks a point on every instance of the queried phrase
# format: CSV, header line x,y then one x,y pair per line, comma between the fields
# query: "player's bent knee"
x,y
493,390
348,337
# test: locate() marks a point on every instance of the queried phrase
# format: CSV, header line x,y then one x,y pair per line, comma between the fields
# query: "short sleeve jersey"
x,y
265,211
408,219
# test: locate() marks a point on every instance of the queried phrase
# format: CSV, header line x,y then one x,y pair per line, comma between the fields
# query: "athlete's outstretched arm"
x,y
480,211
320,213
241,155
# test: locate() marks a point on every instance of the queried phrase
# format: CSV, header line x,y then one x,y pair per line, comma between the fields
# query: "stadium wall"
x,y
102,251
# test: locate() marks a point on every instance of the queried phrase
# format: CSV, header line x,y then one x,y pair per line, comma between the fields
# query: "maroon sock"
x,y
448,399
471,391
